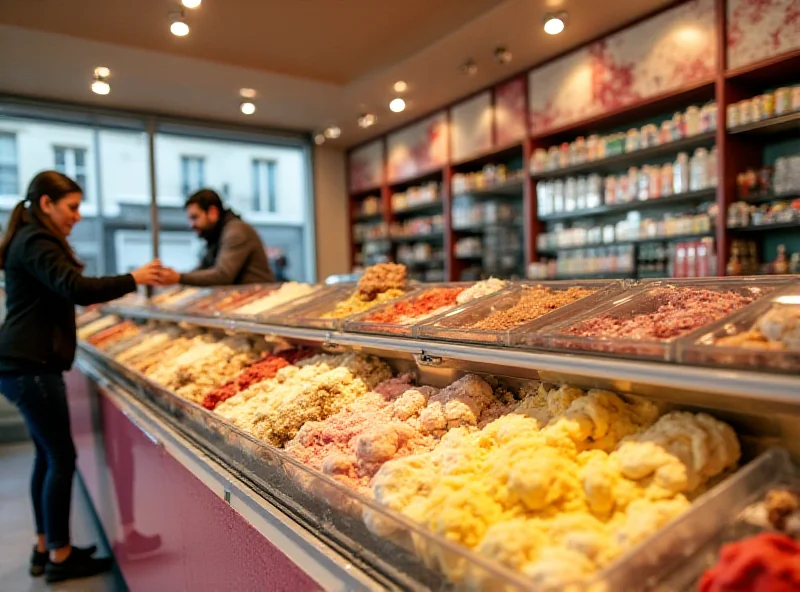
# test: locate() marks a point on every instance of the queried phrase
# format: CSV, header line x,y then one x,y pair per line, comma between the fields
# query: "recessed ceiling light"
x,y
101,87
366,120
179,28
247,93
400,86
397,105
469,67
319,139
247,108
502,55
102,72
191,3
555,23
332,132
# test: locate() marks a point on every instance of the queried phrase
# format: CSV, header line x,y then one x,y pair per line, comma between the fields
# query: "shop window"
x,y
9,168
264,186
193,173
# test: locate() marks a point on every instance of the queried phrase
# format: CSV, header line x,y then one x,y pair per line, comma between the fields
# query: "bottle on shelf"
x,y
781,265
734,266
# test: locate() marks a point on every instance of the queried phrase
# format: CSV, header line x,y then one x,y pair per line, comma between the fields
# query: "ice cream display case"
x,y
434,464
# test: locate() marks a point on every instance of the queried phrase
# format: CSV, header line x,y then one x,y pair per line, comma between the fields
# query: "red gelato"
x,y
768,562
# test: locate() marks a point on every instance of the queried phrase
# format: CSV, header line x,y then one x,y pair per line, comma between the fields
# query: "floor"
x,y
16,528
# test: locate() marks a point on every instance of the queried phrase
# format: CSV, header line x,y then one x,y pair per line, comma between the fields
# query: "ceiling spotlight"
x,y
469,67
179,28
247,108
319,139
247,93
367,120
332,132
502,55
100,85
397,105
191,3
555,23
400,86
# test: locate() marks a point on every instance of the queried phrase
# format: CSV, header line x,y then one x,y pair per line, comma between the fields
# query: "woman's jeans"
x,y
42,400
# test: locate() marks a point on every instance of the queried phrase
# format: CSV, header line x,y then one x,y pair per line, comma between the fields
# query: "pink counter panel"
x,y
206,544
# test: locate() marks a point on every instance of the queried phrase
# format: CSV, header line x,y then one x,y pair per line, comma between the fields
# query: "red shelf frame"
x,y
725,87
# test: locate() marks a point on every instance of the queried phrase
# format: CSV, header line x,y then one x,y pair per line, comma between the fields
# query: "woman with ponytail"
x,y
44,283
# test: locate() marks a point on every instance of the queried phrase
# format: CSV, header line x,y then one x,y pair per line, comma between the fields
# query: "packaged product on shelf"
x,y
610,190
698,170
643,184
558,196
594,191
571,194
632,140
733,116
692,121
783,100
681,174
649,136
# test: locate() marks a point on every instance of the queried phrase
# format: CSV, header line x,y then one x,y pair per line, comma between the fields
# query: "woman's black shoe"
x,y
77,565
39,560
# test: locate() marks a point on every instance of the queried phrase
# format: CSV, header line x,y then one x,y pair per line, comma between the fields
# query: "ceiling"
x,y
313,63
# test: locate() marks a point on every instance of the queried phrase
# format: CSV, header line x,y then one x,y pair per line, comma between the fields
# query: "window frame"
x,y
266,204
14,163
187,160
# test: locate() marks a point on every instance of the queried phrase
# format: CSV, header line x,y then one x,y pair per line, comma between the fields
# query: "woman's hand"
x,y
148,274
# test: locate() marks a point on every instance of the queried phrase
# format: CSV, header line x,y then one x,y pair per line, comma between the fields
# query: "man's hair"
x,y
204,199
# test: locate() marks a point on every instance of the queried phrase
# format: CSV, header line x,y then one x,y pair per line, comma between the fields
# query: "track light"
x,y
191,3
366,120
247,93
397,105
469,68
319,139
100,85
332,132
400,86
247,108
555,23
502,55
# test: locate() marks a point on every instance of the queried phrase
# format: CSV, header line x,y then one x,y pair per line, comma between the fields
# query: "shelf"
x,y
785,125
510,189
770,73
623,161
779,390
493,155
363,241
695,93
482,228
767,227
420,179
419,208
769,197
419,238
377,217
641,241
681,198
469,257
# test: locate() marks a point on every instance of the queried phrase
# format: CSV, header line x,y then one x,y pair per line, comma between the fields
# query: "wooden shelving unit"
x,y
738,148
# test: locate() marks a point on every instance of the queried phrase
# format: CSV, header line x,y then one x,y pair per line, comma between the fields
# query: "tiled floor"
x,y
16,528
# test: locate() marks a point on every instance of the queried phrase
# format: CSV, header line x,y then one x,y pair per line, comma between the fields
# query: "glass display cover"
x,y
647,321
489,320
764,336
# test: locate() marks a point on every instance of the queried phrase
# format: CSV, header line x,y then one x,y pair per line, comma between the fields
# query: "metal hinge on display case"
x,y
425,359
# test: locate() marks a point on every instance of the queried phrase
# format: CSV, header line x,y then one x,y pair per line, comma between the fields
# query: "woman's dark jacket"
x,y
43,285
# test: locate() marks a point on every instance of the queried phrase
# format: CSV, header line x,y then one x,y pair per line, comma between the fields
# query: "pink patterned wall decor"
x,y
761,29
418,148
659,55
509,111
366,167
471,127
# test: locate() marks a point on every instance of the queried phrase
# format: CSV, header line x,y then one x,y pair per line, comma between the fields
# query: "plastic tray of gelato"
x,y
223,300
378,285
176,300
764,336
277,297
489,320
647,321
402,316
741,536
